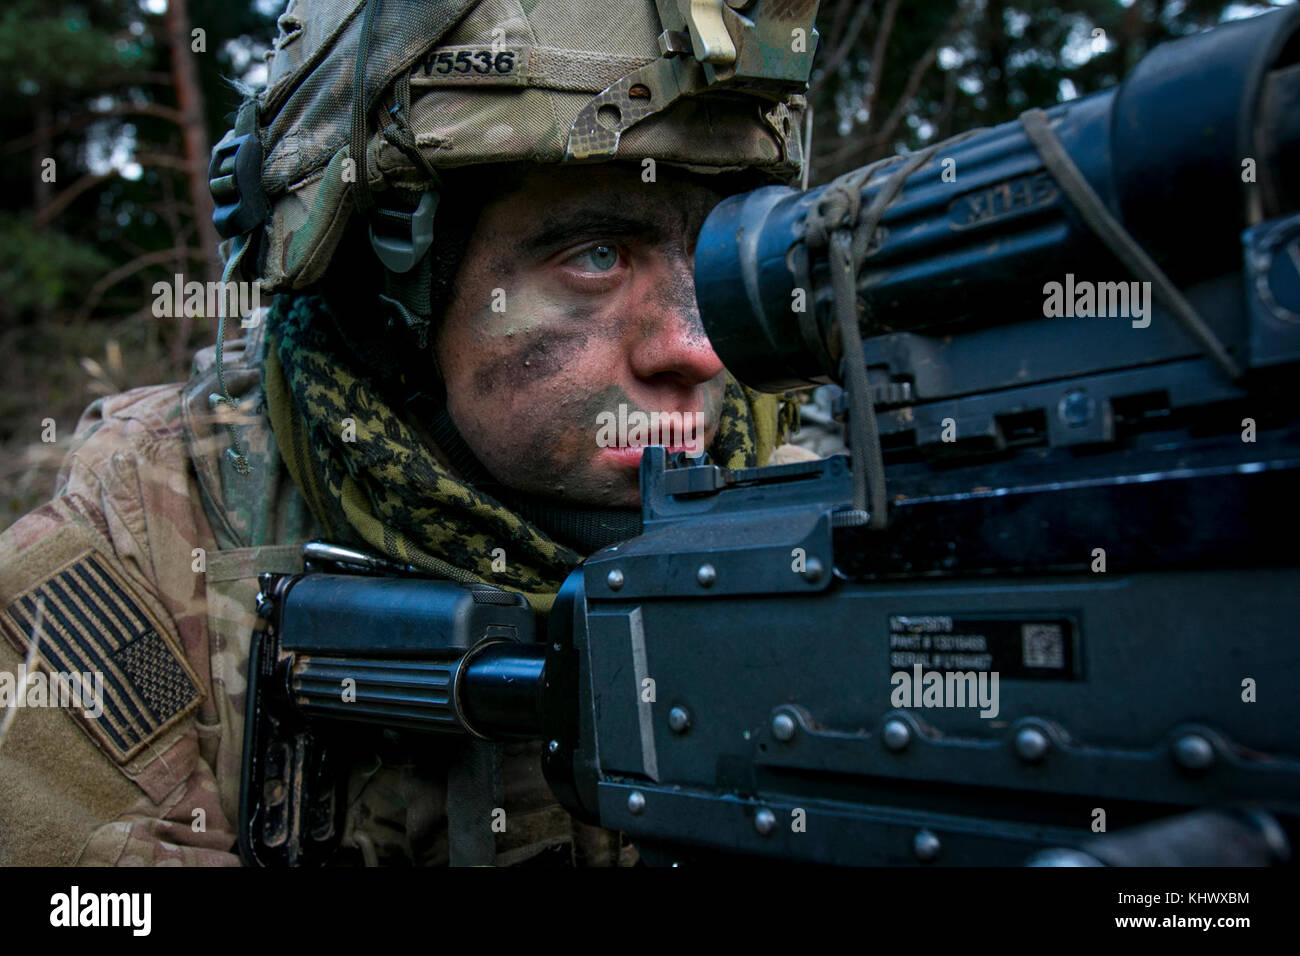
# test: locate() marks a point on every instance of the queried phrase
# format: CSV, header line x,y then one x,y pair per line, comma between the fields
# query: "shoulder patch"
x,y
91,623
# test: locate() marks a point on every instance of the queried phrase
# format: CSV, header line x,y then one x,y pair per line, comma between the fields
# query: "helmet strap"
x,y
401,238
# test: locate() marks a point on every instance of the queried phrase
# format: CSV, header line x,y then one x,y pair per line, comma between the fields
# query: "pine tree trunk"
x,y
189,99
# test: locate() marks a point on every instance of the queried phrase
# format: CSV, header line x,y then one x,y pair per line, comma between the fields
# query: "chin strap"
x,y
401,227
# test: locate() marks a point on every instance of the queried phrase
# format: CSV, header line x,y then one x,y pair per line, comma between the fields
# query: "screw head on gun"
x,y
783,727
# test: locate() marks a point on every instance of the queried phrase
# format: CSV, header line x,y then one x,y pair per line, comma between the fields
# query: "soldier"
x,y
456,311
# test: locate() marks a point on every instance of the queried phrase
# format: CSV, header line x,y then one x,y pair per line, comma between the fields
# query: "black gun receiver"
x,y
1047,615
717,683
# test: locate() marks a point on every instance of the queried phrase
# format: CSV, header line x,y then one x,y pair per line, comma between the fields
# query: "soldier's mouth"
x,y
622,434
630,456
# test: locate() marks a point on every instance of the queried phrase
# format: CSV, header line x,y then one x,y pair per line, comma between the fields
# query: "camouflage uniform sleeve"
x,y
118,771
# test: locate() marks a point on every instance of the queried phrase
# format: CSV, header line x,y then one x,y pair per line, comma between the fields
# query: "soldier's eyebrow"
x,y
556,230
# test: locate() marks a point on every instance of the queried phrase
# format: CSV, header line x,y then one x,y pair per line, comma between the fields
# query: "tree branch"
x,y
943,123
134,77
877,72
914,80
837,25
45,215
162,161
78,120
858,150
127,269
833,62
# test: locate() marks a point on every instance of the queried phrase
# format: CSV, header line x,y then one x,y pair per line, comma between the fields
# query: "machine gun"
x,y
1058,584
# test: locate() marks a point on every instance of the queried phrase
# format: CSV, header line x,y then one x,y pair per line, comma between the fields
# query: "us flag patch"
x,y
88,620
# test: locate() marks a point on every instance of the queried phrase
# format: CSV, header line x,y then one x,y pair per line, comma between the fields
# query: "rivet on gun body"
x,y
706,575
896,735
1193,752
679,720
614,580
1031,744
1075,408
553,746
636,802
765,821
783,727
812,570
926,845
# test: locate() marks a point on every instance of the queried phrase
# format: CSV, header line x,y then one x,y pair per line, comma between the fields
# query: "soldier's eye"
x,y
602,257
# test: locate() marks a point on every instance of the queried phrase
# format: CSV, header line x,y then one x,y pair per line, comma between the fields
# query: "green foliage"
x,y
44,271
90,84
53,50
992,59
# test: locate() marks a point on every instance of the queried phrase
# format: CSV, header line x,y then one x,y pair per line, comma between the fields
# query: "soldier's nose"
x,y
669,343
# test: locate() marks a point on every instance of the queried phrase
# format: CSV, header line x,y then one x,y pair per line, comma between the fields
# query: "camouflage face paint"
x,y
594,269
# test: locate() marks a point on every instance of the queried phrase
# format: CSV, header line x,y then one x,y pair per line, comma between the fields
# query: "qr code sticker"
x,y
1043,645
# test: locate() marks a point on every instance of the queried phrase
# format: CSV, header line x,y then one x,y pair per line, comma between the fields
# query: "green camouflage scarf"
x,y
386,489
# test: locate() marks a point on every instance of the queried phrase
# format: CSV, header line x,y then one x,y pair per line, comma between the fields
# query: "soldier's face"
x,y
575,296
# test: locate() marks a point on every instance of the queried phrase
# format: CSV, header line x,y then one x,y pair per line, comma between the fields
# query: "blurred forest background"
x,y
109,109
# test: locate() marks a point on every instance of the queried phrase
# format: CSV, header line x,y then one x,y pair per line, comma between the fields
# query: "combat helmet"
x,y
367,100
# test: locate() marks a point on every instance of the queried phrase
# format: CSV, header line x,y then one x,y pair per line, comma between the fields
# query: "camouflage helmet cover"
x,y
708,85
